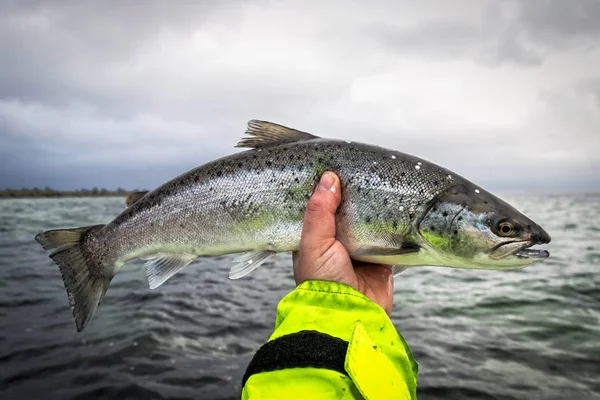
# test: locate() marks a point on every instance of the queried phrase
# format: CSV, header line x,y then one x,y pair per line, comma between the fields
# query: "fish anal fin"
x,y
160,267
248,262
264,133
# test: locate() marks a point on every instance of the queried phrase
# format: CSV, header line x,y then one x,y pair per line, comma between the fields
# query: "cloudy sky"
x,y
116,93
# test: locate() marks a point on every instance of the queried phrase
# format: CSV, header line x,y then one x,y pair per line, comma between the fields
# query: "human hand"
x,y
322,257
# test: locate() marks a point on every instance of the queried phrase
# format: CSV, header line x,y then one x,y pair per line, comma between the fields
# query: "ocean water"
x,y
524,334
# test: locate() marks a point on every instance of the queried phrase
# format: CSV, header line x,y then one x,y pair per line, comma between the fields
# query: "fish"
x,y
396,209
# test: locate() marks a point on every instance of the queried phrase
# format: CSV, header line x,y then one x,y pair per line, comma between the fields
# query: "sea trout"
x,y
396,209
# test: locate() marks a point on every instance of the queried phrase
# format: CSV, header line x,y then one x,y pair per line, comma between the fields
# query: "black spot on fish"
x,y
460,218
411,215
394,225
269,163
385,201
456,232
445,213
368,220
403,174
196,178
219,173
240,165
435,183
182,225
296,180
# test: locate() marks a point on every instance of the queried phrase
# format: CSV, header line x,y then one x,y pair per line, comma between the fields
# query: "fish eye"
x,y
505,228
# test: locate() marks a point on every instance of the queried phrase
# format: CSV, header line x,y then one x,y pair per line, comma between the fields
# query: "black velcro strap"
x,y
299,350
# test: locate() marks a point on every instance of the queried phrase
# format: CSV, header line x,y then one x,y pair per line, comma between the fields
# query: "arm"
x,y
332,338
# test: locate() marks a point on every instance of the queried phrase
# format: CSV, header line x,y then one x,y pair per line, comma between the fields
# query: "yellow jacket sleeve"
x,y
331,342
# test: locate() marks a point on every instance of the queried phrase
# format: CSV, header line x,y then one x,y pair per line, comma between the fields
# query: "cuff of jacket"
x,y
377,358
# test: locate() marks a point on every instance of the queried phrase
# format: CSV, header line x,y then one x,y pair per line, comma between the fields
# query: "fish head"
x,y
468,227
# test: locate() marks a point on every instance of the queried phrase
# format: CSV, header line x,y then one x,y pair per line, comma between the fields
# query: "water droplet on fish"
x,y
476,190
131,368
393,157
420,163
374,162
417,166
449,176
348,141
135,344
111,344
28,330
401,208
249,261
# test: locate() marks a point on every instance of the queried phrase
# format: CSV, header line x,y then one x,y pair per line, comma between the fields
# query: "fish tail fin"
x,y
86,281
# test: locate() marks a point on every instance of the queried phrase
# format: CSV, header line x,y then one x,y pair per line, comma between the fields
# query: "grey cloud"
x,y
115,94
522,32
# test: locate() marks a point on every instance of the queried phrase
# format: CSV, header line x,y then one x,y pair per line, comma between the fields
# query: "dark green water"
x,y
527,334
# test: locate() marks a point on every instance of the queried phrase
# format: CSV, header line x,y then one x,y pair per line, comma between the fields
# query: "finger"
x,y
318,231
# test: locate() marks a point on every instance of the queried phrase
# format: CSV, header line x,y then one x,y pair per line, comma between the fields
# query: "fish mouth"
x,y
521,249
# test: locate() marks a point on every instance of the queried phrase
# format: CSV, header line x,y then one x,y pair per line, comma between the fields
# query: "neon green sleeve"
x,y
331,342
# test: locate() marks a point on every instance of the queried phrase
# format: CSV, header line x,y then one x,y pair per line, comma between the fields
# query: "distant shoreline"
x,y
51,193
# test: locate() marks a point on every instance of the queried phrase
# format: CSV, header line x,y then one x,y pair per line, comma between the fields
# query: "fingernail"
x,y
326,182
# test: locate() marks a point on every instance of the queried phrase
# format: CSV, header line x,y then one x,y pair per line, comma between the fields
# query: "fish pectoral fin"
x,y
269,134
375,250
160,267
248,262
398,269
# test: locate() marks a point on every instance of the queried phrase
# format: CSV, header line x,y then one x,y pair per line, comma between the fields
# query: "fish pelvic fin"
x,y
248,262
266,134
134,197
82,276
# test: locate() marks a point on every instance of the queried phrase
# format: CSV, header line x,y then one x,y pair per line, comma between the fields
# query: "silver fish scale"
x,y
255,200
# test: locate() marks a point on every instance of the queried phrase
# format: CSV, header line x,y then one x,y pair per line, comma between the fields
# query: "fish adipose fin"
x,y
81,275
248,262
160,267
266,134
134,197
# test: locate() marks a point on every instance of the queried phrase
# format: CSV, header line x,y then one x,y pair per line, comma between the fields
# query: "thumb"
x,y
318,231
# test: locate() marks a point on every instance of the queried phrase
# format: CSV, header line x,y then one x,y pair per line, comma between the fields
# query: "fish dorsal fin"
x,y
265,134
